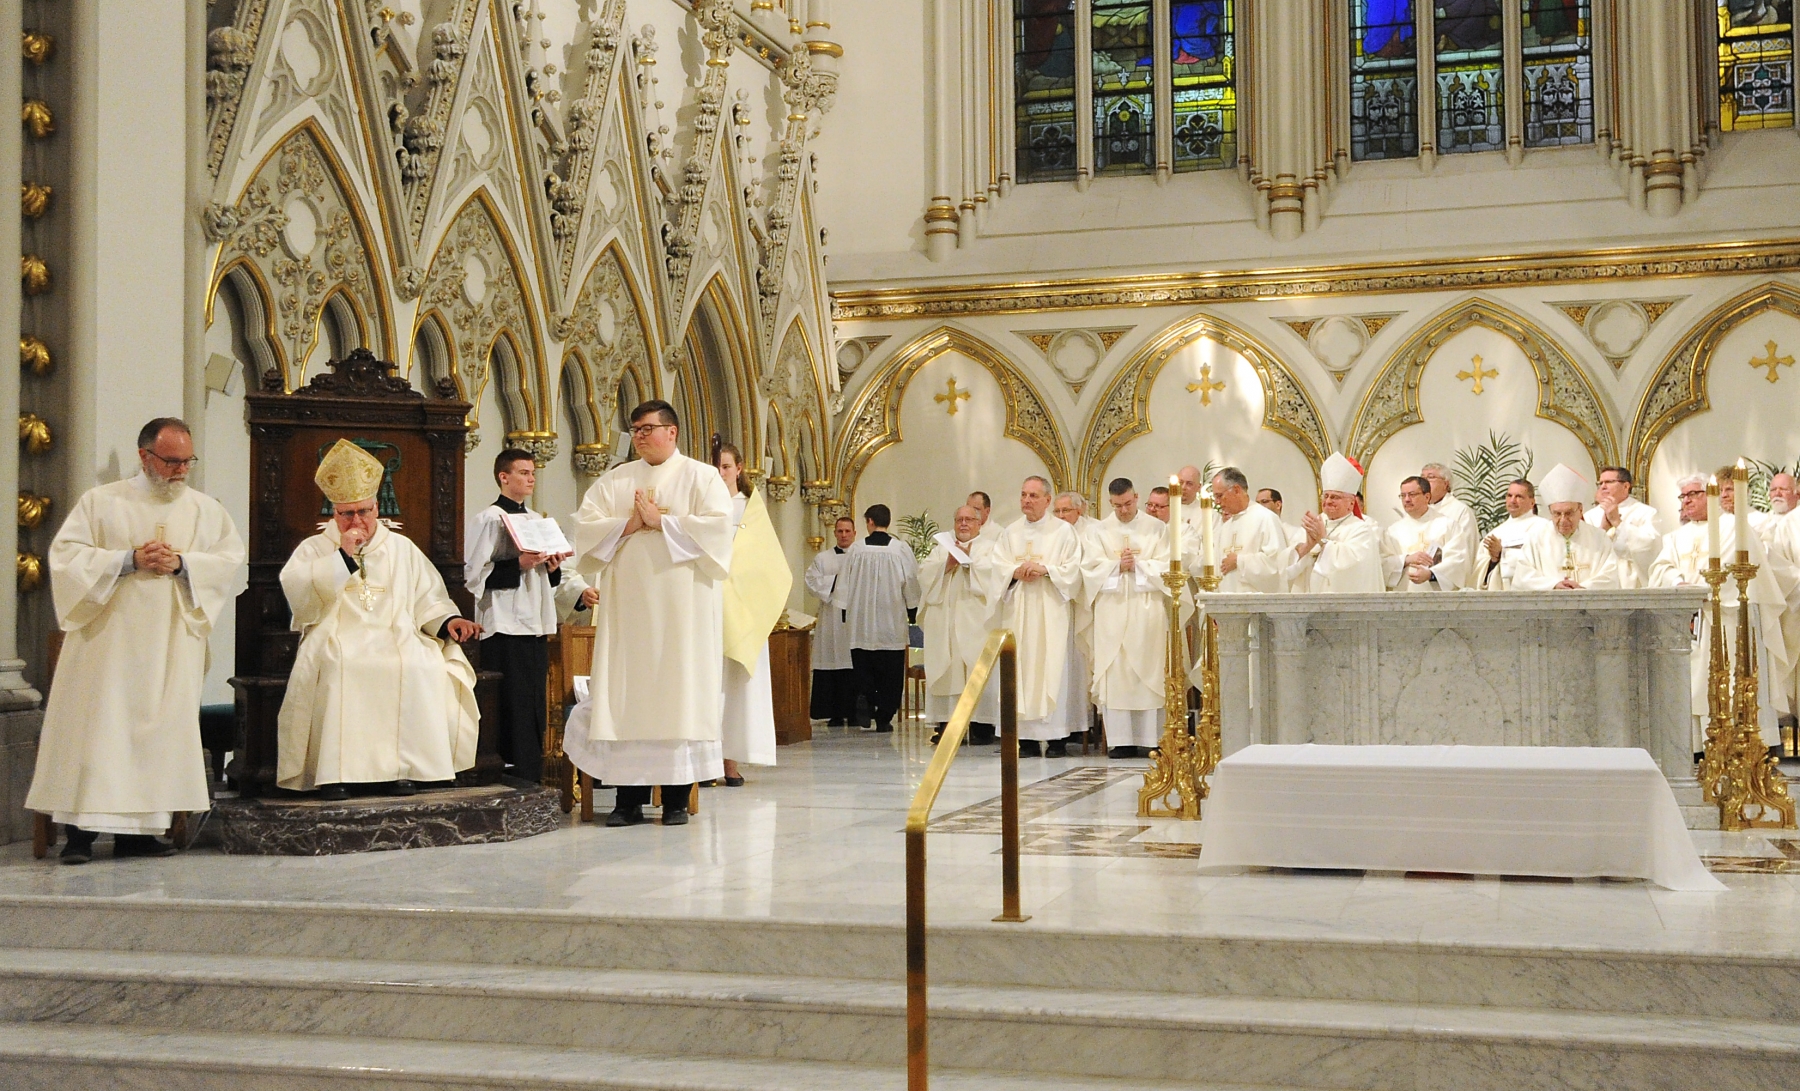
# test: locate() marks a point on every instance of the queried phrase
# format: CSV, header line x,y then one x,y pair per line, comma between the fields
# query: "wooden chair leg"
x,y
587,797
656,795
178,829
43,835
694,799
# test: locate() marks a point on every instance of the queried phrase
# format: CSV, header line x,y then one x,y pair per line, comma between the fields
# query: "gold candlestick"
x,y
1752,793
1718,689
1175,763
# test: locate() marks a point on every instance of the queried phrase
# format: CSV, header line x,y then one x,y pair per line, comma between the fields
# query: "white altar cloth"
x,y
1486,810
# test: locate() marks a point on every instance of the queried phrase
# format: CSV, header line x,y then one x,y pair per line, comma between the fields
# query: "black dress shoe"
x,y
78,848
405,788
1122,752
1056,749
333,793
734,782
675,816
884,727
128,845
626,816
1030,748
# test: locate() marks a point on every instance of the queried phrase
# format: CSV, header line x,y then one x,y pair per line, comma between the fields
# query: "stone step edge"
x,y
1311,1017
483,1064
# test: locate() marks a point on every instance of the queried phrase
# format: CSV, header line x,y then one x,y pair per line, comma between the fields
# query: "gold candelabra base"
x,y
1736,770
1183,760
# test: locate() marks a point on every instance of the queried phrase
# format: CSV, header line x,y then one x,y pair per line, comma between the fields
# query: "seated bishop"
x,y
380,693
1565,552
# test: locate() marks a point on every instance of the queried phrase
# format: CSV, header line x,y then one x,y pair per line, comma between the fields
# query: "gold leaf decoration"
x,y
31,572
39,122
34,433
34,199
37,47
34,275
34,354
32,509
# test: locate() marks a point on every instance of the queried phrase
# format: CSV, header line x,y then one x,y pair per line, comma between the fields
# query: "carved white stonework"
x,y
474,290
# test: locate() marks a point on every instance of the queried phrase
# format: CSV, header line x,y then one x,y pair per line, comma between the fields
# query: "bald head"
x,y
1189,477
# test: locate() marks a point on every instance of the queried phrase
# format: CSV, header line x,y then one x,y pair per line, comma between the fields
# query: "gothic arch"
x,y
1122,412
1679,390
874,417
1565,395
723,374
604,335
242,287
796,406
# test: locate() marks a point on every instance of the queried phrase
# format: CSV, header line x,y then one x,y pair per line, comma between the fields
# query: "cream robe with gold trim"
x,y
1039,612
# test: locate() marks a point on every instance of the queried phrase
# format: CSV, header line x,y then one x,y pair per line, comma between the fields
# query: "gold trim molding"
x,y
1565,396
1679,389
1123,412
875,416
1226,286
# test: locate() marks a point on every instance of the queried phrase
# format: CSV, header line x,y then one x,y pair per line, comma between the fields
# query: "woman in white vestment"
x,y
747,721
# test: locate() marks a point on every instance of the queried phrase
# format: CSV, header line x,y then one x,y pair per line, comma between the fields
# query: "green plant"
x,y
1483,472
1761,473
919,532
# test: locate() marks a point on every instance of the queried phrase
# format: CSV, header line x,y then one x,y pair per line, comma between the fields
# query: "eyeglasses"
x,y
638,431
172,463
1693,492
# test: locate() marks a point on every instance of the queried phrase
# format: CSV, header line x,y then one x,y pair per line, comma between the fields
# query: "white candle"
x,y
1712,518
1740,505
1207,556
1175,520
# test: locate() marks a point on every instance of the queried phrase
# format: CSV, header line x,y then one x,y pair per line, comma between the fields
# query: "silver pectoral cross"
x,y
365,590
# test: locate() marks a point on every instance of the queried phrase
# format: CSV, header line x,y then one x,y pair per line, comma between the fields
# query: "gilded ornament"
x,y
590,458
34,354
34,433
39,122
779,488
34,200
36,47
32,509
31,571
814,543
951,395
1477,372
34,275
1206,386
816,492
1771,361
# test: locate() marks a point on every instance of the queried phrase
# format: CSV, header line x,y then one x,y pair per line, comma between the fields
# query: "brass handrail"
x,y
1003,648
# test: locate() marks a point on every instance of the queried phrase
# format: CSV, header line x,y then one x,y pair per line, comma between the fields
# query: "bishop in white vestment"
x,y
1628,523
833,674
654,537
1122,578
140,571
1034,571
1564,552
1342,550
1412,549
1505,543
380,691
954,609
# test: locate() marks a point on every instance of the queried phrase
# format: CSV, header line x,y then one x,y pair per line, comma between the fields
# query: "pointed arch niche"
x,y
1677,430
1422,406
713,392
1200,391
604,342
796,440
904,448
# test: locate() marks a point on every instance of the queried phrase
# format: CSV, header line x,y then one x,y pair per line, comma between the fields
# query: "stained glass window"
x,y
1044,82
1756,64
1203,67
1470,104
1384,80
1124,98
1559,72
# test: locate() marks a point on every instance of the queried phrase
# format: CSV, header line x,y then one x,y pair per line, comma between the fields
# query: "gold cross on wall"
x,y
951,395
1772,361
1205,386
1475,372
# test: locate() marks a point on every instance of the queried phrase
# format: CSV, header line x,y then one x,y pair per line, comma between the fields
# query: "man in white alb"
x,y
1156,505
1565,553
1122,579
1071,508
1342,550
515,605
877,588
984,506
1248,539
833,674
380,692
140,571
654,537
1455,569
954,609
1501,548
1034,570
1412,548
1271,499
1628,523
1784,502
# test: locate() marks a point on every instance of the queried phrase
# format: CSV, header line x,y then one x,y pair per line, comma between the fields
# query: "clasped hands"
x,y
644,514
157,558
1028,571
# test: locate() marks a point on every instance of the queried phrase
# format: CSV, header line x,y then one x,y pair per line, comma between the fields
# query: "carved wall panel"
x,y
603,337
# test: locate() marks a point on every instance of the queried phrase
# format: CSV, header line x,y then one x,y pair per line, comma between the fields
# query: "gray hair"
x,y
1042,480
1443,471
1076,499
1682,482
1233,477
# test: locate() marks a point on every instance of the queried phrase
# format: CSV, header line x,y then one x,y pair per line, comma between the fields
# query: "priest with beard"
x,y
954,609
1122,577
380,692
1566,553
140,572
654,537
1033,572
1342,550
1504,544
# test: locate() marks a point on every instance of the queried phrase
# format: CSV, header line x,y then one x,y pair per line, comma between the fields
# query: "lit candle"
x,y
1712,518
1740,504
1206,532
1175,520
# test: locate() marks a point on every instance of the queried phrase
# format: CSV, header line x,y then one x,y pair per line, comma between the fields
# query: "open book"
x,y
537,534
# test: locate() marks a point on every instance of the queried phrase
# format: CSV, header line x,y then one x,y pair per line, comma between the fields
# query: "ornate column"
x,y
15,692
1236,728
1614,694
1290,679
1289,155
1512,79
1425,34
1661,134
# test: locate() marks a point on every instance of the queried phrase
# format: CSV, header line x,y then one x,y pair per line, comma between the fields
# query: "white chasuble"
x,y
1346,561
374,695
1040,614
1635,540
1404,538
120,747
1455,570
1497,575
653,710
1130,610
1585,557
954,610
1260,540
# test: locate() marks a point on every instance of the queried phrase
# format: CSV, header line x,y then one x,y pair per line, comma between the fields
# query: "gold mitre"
x,y
348,474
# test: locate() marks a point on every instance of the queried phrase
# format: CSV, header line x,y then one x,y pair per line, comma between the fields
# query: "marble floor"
x,y
819,838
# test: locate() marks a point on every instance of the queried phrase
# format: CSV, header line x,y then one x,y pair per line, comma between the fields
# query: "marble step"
x,y
57,1058
1547,975
1049,1032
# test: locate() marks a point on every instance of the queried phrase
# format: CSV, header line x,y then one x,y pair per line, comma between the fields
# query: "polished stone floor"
x,y
819,837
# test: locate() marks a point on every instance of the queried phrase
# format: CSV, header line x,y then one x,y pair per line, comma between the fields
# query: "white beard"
x,y
165,488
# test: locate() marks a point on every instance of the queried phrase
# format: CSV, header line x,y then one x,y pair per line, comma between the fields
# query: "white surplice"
x,y
374,695
527,608
653,712
1585,557
1407,536
831,640
954,610
1785,542
1455,570
1039,612
1346,561
1498,575
1635,541
120,747
1131,627
877,584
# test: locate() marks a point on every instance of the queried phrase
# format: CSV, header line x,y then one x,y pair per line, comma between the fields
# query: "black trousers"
x,y
638,795
834,696
524,665
879,675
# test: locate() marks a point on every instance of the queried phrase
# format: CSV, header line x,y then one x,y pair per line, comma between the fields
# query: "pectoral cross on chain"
x,y
1568,565
366,591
